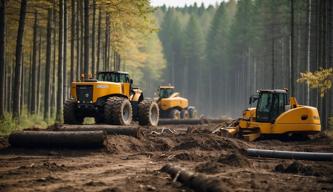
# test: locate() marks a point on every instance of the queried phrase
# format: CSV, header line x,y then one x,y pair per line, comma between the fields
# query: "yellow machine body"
x,y
299,119
102,89
294,119
172,101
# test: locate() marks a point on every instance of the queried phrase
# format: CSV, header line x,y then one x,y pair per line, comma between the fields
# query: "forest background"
x,y
217,56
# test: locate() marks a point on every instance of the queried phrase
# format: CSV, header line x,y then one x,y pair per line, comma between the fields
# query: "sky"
x,y
182,3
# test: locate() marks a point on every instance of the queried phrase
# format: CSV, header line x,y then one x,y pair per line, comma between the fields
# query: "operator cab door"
x,y
270,105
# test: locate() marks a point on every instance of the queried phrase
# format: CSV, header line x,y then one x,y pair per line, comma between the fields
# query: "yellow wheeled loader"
x,y
173,106
111,99
275,114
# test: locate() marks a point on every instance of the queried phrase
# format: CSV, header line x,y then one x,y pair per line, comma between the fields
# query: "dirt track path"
x,y
131,164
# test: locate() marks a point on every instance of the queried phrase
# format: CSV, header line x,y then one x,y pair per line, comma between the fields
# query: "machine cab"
x,y
114,76
270,104
166,91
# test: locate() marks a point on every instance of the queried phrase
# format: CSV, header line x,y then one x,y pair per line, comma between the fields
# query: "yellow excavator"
x,y
173,106
111,99
275,114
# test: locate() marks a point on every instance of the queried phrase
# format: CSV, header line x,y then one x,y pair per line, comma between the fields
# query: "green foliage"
x,y
321,79
330,123
8,125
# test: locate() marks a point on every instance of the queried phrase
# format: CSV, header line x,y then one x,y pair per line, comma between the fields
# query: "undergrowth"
x,y
8,124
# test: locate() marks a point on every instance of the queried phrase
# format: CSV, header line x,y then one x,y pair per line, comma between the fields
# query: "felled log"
x,y
197,182
57,139
314,156
129,131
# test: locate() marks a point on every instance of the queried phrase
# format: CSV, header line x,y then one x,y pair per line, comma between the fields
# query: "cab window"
x,y
165,93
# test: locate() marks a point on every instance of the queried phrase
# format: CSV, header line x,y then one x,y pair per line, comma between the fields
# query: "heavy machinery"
x,y
173,106
276,115
111,99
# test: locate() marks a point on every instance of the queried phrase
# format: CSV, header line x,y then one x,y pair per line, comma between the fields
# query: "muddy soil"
x,y
131,164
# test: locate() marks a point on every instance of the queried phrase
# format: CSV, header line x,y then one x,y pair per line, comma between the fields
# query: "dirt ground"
x,y
131,164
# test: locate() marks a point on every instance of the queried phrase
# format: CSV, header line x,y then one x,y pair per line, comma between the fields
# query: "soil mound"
x,y
231,160
121,143
204,142
234,159
181,142
296,168
209,167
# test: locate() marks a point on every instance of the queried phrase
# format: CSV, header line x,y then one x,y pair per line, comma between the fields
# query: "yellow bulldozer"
x,y
111,99
173,106
275,114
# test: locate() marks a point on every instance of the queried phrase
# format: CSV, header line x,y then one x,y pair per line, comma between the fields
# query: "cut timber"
x,y
314,156
189,121
57,139
197,182
114,130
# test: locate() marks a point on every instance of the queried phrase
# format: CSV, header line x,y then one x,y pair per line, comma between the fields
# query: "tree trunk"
x,y
99,40
18,68
54,67
10,86
65,84
39,72
292,65
73,36
86,38
93,52
81,39
60,63
2,54
21,99
106,51
78,44
34,68
308,63
29,84
48,66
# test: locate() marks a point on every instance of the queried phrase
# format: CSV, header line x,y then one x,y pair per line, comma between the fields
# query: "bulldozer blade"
x,y
251,136
226,132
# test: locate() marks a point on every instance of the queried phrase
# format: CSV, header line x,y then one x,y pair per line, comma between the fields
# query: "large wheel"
x,y
99,117
148,113
118,111
184,114
174,114
192,112
70,115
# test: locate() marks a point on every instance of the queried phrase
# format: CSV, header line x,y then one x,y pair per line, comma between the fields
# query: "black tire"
x,y
193,113
184,114
174,114
70,115
148,113
118,111
99,117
